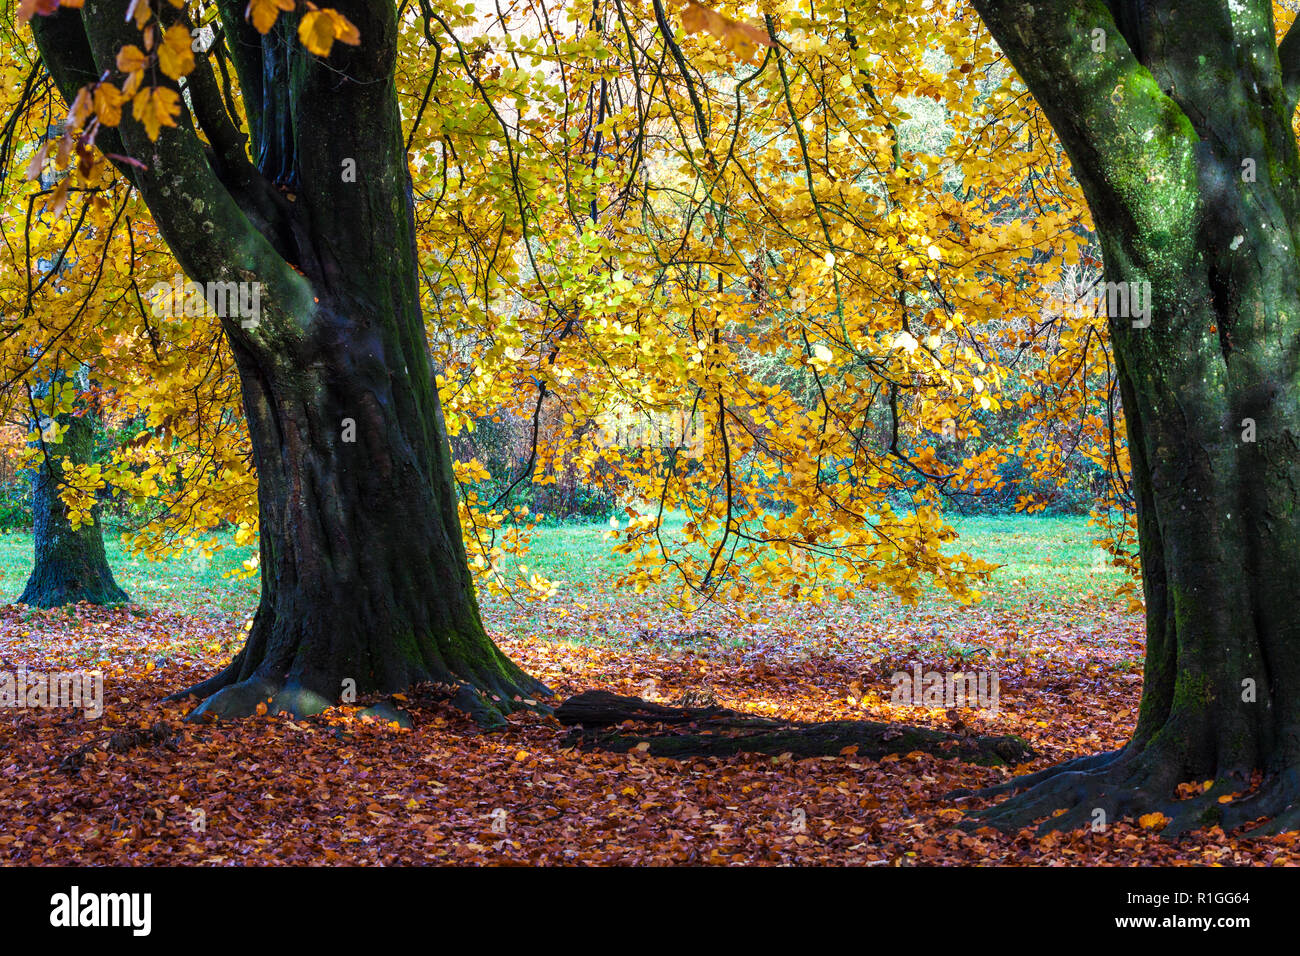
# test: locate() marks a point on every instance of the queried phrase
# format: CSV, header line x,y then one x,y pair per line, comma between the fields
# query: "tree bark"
x,y
365,583
364,573
70,566
1179,131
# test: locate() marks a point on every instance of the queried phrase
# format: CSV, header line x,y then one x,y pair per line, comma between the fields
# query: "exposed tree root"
x,y
224,698
715,731
1095,791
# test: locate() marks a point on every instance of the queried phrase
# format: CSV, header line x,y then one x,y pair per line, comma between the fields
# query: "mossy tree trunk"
x,y
70,565
365,581
1177,120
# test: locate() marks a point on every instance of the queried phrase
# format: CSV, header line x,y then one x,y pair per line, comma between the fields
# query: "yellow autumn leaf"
x,y
139,11
108,100
175,56
345,31
156,107
1150,821
742,38
905,341
316,33
131,58
132,84
263,13
320,28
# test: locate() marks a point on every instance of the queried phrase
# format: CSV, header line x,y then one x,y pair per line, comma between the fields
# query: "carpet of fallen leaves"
x,y
339,789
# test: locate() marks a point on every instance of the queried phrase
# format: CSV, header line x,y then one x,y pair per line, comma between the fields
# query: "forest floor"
x,y
338,789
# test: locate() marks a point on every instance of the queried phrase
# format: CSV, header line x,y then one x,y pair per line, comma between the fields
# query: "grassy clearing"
x,y
1046,561
188,585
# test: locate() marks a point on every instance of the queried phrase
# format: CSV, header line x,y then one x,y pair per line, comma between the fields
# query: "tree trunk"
x,y
364,573
70,566
1183,146
365,583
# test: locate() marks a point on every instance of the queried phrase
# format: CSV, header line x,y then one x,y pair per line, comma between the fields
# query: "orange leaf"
x,y
131,58
29,8
156,107
264,13
175,56
60,197
82,106
38,161
741,38
108,100
140,12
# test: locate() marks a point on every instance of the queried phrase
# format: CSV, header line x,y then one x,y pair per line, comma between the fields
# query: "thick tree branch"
x,y
273,215
349,171
245,46
209,234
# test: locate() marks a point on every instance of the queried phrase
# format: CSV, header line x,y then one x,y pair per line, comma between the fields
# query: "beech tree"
x,y
652,253
364,575
69,562
1178,119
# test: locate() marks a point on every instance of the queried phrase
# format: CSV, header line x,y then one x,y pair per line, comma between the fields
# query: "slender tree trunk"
x,y
1183,145
70,566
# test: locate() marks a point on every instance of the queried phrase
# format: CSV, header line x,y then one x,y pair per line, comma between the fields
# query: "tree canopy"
x,y
824,253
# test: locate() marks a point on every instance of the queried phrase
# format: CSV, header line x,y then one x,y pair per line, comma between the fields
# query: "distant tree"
x,y
70,564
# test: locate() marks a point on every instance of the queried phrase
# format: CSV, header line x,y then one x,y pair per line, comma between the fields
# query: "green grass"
x,y
1047,560
188,585
575,553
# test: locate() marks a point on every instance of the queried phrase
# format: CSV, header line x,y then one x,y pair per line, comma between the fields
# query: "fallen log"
x,y
667,731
